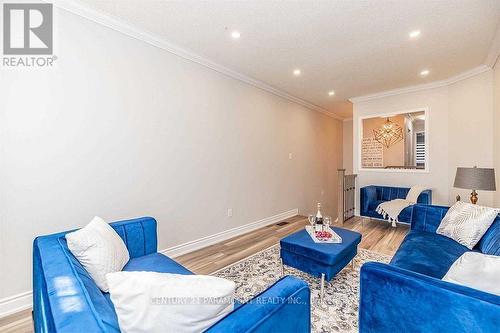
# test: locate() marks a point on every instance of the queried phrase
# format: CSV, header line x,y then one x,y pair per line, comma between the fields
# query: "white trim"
x,y
396,170
494,51
360,140
83,10
197,244
23,301
15,303
436,84
347,119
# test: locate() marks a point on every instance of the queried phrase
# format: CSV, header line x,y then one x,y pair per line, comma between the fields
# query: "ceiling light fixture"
x,y
235,34
425,72
389,133
331,93
414,34
296,72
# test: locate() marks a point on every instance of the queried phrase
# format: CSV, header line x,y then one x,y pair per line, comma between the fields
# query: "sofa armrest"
x,y
139,235
367,194
60,301
427,217
397,300
283,307
425,198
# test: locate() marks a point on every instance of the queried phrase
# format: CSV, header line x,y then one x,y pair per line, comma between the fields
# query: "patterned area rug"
x,y
339,310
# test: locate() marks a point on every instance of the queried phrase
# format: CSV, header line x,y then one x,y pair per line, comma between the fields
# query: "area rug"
x,y
339,310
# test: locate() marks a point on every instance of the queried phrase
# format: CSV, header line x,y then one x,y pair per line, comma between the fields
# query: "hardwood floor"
x,y
378,236
17,323
217,256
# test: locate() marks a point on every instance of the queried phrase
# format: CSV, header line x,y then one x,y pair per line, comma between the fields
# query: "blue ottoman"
x,y
323,260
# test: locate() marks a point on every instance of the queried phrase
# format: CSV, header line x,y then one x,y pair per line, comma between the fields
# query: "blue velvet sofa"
x,y
66,299
372,196
408,295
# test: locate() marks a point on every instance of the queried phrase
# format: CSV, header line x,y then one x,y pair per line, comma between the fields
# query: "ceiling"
x,y
352,47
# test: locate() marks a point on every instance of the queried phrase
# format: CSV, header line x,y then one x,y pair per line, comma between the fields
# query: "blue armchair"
x,y
372,196
408,294
66,299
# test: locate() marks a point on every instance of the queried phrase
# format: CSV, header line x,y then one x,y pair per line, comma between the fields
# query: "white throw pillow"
x,y
152,302
99,249
476,270
467,223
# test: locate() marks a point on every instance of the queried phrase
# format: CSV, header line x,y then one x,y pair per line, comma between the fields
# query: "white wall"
x,y
496,128
460,134
470,138
347,145
122,129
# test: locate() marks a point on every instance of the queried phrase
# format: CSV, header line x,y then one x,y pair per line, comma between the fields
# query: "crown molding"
x,y
436,84
494,51
83,10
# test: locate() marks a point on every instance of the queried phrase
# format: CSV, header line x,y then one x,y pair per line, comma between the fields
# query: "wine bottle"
x,y
319,216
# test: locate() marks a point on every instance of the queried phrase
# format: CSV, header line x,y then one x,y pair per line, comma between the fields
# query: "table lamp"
x,y
475,179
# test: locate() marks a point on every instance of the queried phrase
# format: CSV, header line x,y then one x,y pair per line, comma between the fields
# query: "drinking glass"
x,y
312,219
327,221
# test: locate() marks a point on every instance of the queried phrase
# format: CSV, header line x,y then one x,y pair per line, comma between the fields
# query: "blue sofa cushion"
x,y
139,235
387,193
427,253
156,262
374,204
490,242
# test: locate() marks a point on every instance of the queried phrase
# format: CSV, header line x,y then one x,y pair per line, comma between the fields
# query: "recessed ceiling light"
x,y
235,34
414,34
331,93
425,72
296,72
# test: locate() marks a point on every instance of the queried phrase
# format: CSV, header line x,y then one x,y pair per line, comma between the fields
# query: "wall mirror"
x,y
396,141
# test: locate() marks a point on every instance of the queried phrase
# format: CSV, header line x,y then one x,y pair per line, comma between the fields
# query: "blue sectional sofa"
x,y
66,299
408,294
372,196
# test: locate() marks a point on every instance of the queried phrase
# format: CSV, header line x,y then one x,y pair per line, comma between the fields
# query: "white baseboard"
x,y
23,301
200,243
15,303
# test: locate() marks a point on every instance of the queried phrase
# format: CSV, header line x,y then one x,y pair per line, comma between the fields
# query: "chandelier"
x,y
389,134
